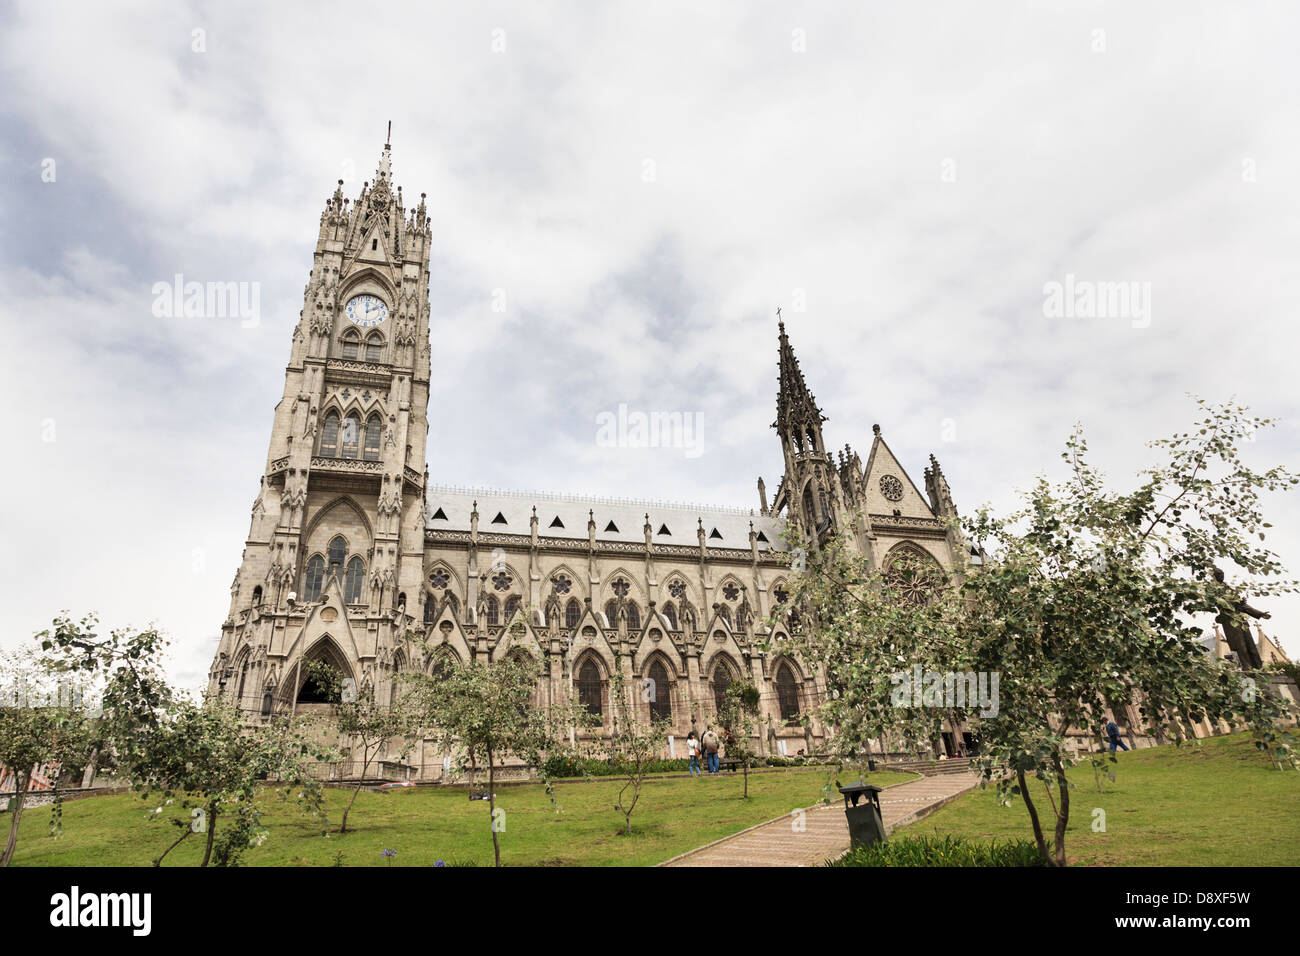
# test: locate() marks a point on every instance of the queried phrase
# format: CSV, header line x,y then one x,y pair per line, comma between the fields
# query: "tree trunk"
x,y
746,779
21,782
492,808
212,832
1063,814
184,833
1033,817
365,764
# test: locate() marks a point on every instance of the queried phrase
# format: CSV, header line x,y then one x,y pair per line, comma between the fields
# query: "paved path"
x,y
825,832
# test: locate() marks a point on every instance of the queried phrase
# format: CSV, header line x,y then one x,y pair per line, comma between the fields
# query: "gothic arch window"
x,y
454,604
787,693
430,608
329,436
591,688
723,677
493,611
338,553
670,615
257,595
315,579
441,665
724,613
633,616
351,343
809,508
512,605
355,578
351,436
572,612
374,428
611,613
374,347
661,705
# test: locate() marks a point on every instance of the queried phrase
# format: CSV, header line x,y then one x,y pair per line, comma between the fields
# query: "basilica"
x,y
355,557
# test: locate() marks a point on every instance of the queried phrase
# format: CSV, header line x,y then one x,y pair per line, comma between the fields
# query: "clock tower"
x,y
333,565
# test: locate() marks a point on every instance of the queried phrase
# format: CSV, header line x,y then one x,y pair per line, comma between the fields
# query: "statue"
x,y
1237,633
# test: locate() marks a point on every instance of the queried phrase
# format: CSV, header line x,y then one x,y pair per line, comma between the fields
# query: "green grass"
x,y
427,824
1220,803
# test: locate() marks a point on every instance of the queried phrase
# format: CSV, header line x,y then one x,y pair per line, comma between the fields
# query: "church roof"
x,y
448,508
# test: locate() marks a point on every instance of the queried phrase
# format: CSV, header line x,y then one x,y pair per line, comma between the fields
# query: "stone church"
x,y
352,554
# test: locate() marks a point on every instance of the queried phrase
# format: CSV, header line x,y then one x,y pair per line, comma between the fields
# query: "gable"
x,y
882,466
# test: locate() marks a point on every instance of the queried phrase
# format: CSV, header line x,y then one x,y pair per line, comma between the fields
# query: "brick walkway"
x,y
824,833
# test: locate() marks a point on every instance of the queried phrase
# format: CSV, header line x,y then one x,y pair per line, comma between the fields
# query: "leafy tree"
x,y
362,721
206,757
40,725
633,745
484,712
166,745
1088,600
739,720
870,630
127,665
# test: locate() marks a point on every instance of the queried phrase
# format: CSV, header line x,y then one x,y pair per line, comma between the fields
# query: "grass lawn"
x,y
1218,804
426,824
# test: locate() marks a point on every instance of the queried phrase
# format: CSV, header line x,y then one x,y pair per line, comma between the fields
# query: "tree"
x,y
205,755
871,631
633,745
41,725
484,712
208,758
739,720
1088,601
360,719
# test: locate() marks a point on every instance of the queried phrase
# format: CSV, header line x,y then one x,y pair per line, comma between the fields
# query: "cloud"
x,y
645,187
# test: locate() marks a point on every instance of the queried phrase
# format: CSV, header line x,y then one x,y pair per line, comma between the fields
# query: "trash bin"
x,y
865,824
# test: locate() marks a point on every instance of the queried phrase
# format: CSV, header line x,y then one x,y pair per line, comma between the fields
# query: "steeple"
x,y
796,408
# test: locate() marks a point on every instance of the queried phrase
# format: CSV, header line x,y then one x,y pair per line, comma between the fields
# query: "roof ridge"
x,y
592,499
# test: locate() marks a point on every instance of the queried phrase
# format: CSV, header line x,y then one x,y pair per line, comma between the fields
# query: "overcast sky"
x,y
641,185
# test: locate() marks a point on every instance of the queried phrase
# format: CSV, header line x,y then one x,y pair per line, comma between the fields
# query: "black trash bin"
x,y
865,824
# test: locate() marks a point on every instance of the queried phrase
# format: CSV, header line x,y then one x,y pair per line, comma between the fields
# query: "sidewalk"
x,y
812,836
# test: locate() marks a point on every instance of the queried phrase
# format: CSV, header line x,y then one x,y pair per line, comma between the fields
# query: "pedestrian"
x,y
693,750
710,741
1112,731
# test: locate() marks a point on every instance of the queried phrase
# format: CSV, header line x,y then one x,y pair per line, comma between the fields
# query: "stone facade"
x,y
352,552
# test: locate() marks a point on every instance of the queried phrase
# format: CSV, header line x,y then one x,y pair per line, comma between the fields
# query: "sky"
x,y
621,196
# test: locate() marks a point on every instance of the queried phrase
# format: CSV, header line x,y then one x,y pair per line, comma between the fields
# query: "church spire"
x,y
796,407
385,170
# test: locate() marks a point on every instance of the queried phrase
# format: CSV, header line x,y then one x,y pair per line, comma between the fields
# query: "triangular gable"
x,y
882,463
526,639
315,626
453,637
598,641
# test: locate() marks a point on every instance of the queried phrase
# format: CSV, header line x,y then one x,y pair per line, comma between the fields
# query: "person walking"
x,y
1112,731
710,741
693,749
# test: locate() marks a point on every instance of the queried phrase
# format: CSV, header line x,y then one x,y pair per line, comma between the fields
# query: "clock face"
x,y
366,310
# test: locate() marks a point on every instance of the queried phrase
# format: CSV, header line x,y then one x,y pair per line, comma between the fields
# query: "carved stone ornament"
x,y
891,488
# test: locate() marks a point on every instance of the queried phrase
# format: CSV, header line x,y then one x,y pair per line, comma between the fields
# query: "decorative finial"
x,y
389,142
875,429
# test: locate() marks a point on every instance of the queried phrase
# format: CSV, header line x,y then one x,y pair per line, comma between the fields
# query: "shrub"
x,y
567,765
949,851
